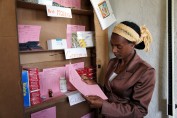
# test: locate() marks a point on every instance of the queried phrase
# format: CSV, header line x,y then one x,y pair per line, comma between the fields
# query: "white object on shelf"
x,y
74,97
32,1
87,37
45,2
54,44
71,53
54,11
63,85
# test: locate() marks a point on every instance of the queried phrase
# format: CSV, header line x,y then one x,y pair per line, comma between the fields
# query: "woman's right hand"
x,y
88,80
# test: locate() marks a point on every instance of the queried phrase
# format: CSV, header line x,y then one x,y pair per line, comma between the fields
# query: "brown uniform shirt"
x,y
130,92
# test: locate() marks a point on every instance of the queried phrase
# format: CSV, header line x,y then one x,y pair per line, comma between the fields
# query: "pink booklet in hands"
x,y
82,87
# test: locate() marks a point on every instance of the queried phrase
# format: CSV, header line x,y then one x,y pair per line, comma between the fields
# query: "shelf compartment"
x,y
28,5
59,50
46,104
61,102
30,57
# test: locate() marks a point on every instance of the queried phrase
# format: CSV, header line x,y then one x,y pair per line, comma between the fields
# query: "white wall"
x,y
152,13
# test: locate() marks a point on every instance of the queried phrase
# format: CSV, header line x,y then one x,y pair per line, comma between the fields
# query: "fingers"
x,y
89,98
94,101
84,77
92,98
88,81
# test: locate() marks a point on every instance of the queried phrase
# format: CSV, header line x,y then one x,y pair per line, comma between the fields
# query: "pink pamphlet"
x,y
76,66
73,29
46,113
82,87
28,33
49,79
69,3
89,115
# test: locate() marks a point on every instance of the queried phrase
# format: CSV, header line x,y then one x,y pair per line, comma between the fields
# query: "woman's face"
x,y
120,46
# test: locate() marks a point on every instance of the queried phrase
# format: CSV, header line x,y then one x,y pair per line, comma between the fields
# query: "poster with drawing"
x,y
104,9
104,12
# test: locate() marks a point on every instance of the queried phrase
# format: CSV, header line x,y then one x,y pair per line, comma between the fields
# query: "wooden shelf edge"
x,y
82,12
28,5
46,104
37,51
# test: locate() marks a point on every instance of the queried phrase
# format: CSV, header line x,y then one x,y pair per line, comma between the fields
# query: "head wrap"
x,y
131,35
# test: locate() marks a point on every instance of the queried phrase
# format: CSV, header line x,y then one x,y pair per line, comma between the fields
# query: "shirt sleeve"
x,y
137,107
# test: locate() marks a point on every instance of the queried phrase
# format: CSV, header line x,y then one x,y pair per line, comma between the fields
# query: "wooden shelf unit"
x,y
15,12
46,104
51,27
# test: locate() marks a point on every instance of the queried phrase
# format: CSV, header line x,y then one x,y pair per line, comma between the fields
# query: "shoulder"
x,y
139,66
147,71
145,65
142,63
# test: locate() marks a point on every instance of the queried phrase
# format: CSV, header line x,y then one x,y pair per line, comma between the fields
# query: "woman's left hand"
x,y
88,80
95,101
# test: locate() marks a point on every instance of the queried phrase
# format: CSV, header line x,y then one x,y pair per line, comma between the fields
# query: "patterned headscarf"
x,y
131,35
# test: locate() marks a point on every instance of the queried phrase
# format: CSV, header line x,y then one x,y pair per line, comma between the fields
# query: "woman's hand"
x,y
87,80
94,101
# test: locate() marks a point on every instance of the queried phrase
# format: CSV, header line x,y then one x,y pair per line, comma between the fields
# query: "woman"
x,y
130,81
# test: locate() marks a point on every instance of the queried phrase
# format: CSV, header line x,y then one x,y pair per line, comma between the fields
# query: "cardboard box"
x,y
26,89
33,86
85,38
54,44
